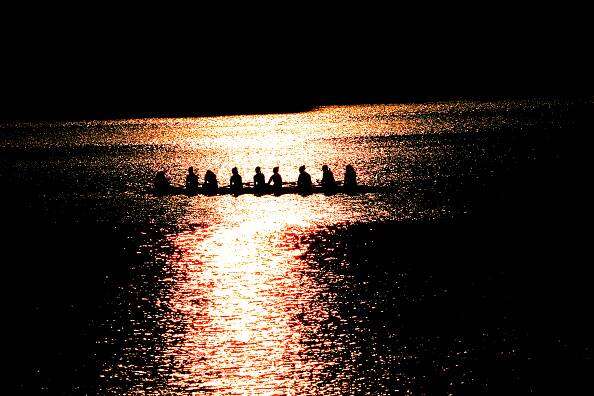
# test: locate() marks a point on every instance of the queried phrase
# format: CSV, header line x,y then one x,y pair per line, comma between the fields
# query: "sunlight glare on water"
x,y
227,301
246,304
244,311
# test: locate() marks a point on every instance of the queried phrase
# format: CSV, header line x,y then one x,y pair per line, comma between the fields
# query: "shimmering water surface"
x,y
229,296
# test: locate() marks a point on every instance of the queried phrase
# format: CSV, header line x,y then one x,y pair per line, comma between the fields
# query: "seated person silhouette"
x,y
350,179
161,182
235,183
259,182
276,180
328,182
210,185
304,182
191,181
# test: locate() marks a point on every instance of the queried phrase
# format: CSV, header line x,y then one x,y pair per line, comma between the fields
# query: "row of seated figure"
x,y
275,182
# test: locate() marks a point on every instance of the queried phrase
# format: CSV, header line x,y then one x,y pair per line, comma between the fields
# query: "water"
x,y
259,295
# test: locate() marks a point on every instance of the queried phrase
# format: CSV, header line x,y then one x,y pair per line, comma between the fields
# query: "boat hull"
x,y
284,191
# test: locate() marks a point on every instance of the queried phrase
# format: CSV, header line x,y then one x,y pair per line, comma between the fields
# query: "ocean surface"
x,y
429,290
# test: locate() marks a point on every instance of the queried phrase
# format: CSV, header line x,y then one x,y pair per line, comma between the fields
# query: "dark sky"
x,y
111,62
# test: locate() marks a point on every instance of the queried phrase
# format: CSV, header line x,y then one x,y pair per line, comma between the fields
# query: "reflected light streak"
x,y
237,299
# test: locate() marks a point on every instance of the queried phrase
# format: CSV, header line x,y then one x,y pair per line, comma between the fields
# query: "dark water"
x,y
467,280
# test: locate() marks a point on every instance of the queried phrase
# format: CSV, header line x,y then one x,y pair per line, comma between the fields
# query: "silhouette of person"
x,y
210,185
191,180
304,181
276,180
328,182
235,183
161,182
350,178
259,181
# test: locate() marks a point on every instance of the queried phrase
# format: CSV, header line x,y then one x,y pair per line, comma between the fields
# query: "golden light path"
x,y
243,301
238,308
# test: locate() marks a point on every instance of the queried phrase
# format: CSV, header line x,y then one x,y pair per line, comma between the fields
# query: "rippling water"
x,y
230,296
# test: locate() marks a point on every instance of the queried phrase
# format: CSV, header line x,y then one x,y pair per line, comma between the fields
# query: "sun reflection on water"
x,y
241,305
242,300
225,295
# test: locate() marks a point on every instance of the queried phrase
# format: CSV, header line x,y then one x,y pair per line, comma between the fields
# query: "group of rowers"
x,y
274,185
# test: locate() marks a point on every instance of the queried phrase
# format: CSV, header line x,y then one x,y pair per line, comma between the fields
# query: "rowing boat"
x,y
177,190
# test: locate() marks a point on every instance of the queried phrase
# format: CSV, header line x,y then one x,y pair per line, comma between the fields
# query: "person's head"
x,y
275,169
161,173
350,168
302,169
191,170
325,168
258,169
234,171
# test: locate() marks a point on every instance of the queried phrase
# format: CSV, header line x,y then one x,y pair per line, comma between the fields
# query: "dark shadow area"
x,y
63,284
